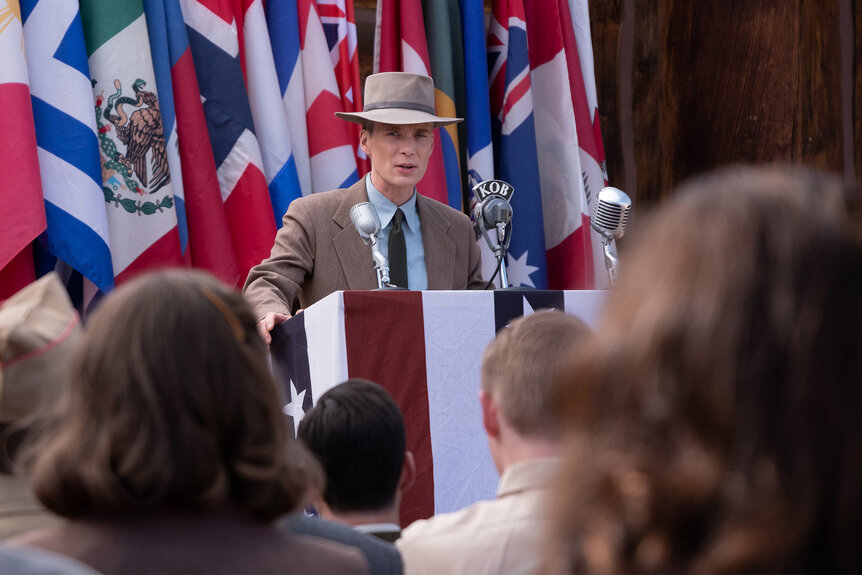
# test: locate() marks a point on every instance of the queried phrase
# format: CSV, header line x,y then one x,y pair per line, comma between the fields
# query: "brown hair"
x,y
170,405
723,428
521,368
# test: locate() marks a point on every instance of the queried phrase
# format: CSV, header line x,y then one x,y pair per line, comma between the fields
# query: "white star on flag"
x,y
519,271
294,408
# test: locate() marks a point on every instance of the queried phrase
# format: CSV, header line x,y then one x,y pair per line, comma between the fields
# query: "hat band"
x,y
397,104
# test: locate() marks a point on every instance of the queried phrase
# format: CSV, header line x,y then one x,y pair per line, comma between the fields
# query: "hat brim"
x,y
397,116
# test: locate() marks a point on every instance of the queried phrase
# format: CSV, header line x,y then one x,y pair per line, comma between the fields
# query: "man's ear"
x,y
408,472
490,414
363,141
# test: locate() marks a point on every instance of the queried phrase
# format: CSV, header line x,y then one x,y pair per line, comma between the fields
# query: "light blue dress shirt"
x,y
417,274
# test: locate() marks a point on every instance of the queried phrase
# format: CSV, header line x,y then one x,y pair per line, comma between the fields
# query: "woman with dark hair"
x,y
716,415
169,453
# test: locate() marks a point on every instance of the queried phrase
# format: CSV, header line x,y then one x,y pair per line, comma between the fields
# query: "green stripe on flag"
x,y
446,50
104,19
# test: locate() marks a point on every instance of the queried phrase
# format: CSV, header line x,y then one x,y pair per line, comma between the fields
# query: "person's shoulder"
x,y
382,557
451,524
321,198
328,556
442,213
426,203
32,561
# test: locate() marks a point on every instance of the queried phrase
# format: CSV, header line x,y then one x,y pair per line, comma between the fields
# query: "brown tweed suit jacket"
x,y
317,251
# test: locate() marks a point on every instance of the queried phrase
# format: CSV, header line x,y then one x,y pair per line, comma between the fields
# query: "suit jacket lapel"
x,y
440,250
355,257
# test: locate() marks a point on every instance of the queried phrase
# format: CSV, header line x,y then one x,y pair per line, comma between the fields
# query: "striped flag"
x,y
477,118
136,179
480,151
209,243
157,33
515,142
443,29
564,202
270,121
213,37
579,53
282,18
330,148
435,340
23,215
62,99
339,26
400,46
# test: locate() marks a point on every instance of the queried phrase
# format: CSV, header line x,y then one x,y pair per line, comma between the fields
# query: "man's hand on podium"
x,y
269,321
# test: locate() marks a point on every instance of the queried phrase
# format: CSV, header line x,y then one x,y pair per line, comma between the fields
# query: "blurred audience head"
x,y
39,330
170,407
716,414
356,432
520,377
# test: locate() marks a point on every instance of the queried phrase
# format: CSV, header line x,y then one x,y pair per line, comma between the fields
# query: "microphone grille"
x,y
611,212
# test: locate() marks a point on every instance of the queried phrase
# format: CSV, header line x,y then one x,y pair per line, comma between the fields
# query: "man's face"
x,y
399,156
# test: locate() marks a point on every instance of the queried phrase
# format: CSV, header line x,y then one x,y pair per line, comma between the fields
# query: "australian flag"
x,y
516,160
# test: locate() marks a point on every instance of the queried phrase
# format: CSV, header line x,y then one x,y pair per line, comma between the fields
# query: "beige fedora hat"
x,y
398,98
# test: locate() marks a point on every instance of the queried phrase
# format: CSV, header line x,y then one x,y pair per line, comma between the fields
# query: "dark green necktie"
x,y
397,251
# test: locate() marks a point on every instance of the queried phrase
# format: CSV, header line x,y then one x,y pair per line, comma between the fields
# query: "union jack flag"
x,y
339,27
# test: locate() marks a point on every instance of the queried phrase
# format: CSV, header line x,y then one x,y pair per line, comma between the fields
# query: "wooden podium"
x,y
426,349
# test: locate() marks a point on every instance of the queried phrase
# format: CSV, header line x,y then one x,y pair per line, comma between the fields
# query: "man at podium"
x,y
428,244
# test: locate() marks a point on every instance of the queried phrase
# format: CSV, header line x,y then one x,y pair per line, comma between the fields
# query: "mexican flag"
x,y
136,178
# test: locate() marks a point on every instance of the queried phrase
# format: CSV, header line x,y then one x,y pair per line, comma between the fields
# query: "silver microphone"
x,y
610,218
492,211
611,213
367,223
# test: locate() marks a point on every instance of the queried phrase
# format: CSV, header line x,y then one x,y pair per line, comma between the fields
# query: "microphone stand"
x,y
381,265
612,262
500,253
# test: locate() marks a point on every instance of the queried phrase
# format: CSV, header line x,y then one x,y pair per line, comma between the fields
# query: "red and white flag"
x,y
213,38
331,147
579,58
564,202
339,25
23,215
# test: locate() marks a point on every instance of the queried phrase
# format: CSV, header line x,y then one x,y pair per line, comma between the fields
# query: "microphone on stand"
x,y
367,223
610,218
492,210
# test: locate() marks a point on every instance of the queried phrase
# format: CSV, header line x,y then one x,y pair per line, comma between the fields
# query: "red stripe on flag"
x,y
321,113
515,94
546,39
209,245
570,263
433,184
394,358
22,217
221,8
389,55
162,253
250,218
583,118
18,273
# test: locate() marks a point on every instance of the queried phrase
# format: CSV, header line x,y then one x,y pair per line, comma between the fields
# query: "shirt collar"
x,y
378,528
530,474
386,209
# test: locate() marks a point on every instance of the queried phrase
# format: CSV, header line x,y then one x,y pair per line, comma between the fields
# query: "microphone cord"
x,y
496,271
